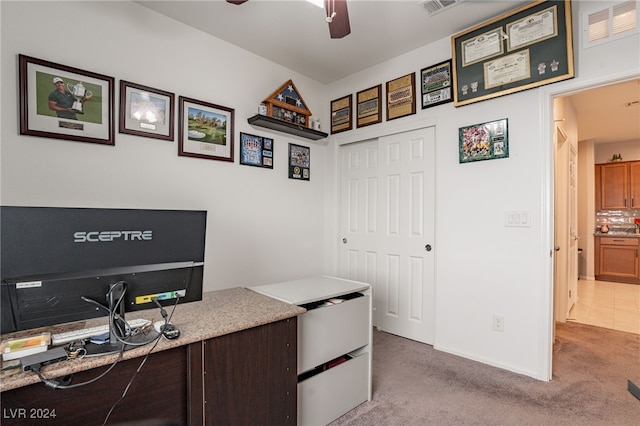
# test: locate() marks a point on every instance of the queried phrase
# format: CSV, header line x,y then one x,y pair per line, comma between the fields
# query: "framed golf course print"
x,y
205,130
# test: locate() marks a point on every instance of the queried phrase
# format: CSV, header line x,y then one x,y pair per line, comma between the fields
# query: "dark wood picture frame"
x,y
341,114
205,130
146,112
401,96
256,151
519,50
63,102
436,84
369,106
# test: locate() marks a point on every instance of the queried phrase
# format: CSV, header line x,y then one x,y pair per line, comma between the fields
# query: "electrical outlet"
x,y
498,322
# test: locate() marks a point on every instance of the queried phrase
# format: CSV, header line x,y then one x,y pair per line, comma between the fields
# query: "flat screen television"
x,y
55,261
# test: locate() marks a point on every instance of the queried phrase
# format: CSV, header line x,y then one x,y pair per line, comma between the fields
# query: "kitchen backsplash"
x,y
617,219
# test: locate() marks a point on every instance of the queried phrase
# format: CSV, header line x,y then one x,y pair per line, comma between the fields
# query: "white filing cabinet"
x,y
326,333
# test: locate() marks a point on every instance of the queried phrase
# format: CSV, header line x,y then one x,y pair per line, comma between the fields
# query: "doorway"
x,y
575,114
387,226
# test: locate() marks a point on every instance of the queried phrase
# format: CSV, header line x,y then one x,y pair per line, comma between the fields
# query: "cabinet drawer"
x,y
328,332
328,395
619,241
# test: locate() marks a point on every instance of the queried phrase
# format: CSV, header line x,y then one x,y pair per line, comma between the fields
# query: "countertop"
x,y
614,234
220,312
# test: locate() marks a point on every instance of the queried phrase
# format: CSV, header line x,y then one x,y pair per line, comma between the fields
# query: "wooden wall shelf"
x,y
283,126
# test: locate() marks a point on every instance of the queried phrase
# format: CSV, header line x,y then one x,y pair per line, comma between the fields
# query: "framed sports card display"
x,y
299,162
256,151
484,141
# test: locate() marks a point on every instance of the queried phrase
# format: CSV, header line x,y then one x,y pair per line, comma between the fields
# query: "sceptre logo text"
x,y
109,236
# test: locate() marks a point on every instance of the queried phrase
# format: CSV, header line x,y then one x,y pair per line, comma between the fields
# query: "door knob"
x,y
427,247
344,241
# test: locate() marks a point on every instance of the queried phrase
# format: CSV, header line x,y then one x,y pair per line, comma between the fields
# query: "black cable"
x,y
55,385
144,360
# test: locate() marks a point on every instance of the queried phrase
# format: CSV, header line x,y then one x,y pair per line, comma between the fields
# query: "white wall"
x,y
262,227
483,267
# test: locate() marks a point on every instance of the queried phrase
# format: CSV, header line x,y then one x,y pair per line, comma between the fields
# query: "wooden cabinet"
x,y
159,391
246,377
334,345
618,185
250,376
617,259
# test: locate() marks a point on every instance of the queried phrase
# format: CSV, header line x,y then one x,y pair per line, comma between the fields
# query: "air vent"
x,y
433,7
604,25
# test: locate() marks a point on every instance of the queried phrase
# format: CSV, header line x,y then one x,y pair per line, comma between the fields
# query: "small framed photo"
x,y
299,162
145,111
62,102
369,106
484,141
401,97
341,112
256,151
206,130
436,83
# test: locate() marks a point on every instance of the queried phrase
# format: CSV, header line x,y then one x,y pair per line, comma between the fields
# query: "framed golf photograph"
x,y
146,112
62,102
256,151
436,84
205,130
369,106
299,162
401,97
484,141
341,112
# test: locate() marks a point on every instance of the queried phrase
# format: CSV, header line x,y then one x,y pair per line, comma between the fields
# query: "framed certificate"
x,y
369,106
519,50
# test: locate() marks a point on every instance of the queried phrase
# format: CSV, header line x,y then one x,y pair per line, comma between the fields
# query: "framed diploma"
x,y
436,84
369,106
519,50
401,96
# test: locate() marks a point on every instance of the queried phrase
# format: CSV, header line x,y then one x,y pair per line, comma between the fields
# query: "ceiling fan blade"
x,y
338,18
237,1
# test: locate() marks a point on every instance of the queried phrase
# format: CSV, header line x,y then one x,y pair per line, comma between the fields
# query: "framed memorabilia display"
x,y
401,97
299,162
58,101
369,106
484,141
436,84
256,151
341,111
145,111
206,130
525,48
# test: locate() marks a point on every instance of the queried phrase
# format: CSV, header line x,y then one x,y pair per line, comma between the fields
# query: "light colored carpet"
x,y
413,384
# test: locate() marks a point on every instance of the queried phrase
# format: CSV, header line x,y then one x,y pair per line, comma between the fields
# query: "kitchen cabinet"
x,y
334,345
617,259
618,185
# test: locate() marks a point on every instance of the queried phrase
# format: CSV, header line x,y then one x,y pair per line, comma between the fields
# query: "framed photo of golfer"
x,y
62,102
206,130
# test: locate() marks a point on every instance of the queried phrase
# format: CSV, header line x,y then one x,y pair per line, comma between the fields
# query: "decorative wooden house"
x,y
286,104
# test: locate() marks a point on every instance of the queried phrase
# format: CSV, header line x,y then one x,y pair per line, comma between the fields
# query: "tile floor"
x,y
608,304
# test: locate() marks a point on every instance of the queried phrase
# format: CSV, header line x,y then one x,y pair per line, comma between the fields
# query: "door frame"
x,y
546,315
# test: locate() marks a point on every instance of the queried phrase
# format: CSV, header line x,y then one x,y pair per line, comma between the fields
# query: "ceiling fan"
x,y
337,16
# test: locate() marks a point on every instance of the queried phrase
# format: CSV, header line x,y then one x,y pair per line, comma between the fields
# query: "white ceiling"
x,y
294,34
